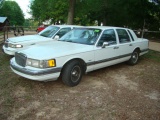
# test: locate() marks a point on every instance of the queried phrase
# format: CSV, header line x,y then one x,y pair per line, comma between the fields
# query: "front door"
x,y
106,56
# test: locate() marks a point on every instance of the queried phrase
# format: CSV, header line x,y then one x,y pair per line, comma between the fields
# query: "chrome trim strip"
x,y
109,59
114,58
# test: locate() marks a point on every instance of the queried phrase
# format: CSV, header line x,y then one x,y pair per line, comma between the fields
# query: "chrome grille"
x,y
20,59
6,44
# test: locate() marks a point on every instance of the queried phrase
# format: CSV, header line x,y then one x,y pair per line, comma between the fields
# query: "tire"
x,y
134,58
72,73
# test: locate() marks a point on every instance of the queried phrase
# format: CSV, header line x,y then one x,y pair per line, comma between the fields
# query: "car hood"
x,y
55,49
28,38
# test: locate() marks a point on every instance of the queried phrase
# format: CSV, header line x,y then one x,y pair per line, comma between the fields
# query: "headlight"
x,y
33,63
18,46
15,45
41,63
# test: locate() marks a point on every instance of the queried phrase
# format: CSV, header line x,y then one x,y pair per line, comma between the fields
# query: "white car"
x,y
79,51
50,33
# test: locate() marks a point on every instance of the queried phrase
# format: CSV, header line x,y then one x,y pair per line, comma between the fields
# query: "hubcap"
x,y
75,73
135,57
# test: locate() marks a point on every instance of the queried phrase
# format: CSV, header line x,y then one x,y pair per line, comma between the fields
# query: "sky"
x,y
24,7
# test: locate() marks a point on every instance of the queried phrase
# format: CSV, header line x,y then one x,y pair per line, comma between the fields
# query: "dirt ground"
x,y
119,92
154,45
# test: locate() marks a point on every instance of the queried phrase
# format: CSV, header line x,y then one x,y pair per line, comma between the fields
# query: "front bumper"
x,y
9,51
35,74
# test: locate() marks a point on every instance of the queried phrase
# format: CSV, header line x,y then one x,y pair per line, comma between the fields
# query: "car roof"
x,y
96,27
105,27
61,26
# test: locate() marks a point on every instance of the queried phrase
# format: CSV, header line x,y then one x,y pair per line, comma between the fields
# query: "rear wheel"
x,y
72,73
134,58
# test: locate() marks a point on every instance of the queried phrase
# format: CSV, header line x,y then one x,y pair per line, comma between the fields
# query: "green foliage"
x,y
49,9
30,23
12,10
124,13
152,55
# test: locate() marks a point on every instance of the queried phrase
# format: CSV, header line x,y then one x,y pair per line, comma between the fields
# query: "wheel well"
x,y
138,49
83,64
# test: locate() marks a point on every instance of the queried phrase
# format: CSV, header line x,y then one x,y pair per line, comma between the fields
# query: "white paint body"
x,y
95,57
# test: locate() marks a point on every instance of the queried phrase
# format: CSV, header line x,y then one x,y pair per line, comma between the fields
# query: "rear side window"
x,y
123,36
63,31
131,35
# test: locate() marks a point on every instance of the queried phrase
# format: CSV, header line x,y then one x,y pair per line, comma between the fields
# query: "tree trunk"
x,y
71,12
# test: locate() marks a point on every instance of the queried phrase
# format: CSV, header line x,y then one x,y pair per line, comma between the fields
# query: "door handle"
x,y
130,45
116,47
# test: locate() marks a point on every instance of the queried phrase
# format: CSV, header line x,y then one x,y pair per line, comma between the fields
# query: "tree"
x,y
1,3
12,11
71,12
55,10
122,13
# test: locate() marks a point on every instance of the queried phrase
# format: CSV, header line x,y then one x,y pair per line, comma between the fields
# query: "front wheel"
x,y
72,73
134,58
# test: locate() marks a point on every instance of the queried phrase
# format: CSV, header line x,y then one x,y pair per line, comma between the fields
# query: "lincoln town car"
x,y
78,52
50,33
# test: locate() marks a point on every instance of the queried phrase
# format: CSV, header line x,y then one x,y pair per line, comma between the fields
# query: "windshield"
x,y
86,36
49,31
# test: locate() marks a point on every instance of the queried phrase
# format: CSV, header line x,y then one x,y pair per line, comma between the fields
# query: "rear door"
x,y
125,44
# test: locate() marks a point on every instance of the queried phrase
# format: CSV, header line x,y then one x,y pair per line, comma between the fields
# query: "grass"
x,y
9,82
152,55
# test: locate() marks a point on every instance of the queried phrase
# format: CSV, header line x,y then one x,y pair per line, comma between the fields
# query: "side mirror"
x,y
56,37
105,44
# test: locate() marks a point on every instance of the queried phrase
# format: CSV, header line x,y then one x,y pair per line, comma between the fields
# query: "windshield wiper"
x,y
65,40
43,35
68,41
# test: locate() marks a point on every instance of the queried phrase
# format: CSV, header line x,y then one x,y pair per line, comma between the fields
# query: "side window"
x,y
131,35
123,36
63,31
108,36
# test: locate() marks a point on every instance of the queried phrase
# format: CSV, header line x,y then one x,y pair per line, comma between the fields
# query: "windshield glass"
x,y
49,31
86,36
